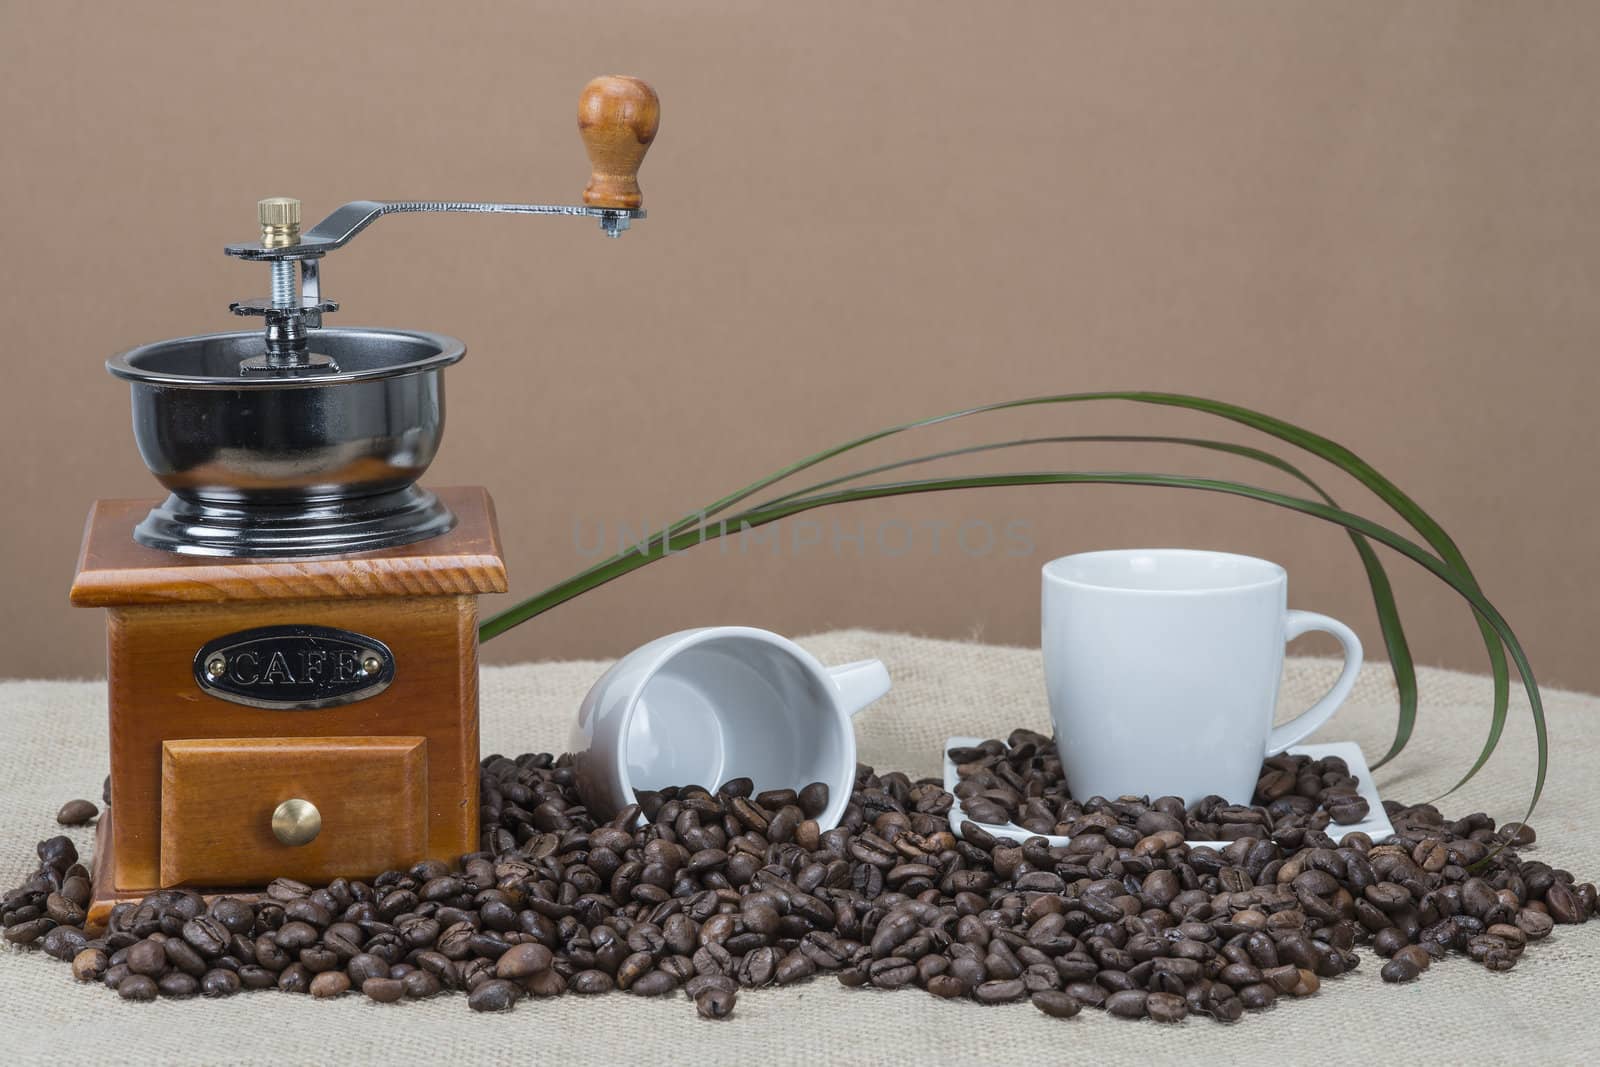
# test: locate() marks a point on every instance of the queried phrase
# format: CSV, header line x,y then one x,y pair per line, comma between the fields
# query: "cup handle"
x,y
1303,725
860,683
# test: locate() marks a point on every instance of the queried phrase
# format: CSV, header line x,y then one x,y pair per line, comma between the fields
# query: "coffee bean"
x,y
328,984
220,983
63,942
743,887
1055,1003
147,958
1416,956
1127,1003
1562,904
591,982
520,961
252,976
1399,970
496,994
549,983
813,799
76,813
177,985
384,990
1258,996
893,972
715,1003
138,987
1000,991
1347,809
653,984
702,982
233,914
90,964
296,979
365,965
1166,1007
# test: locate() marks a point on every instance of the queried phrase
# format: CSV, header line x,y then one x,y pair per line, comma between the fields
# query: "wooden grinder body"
x,y
196,778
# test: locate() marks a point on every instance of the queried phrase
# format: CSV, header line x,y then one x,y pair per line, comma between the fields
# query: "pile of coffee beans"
x,y
1020,781
720,892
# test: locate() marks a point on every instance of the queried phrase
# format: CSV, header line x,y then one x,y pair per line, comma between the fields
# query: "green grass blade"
x,y
1394,637
1320,446
758,517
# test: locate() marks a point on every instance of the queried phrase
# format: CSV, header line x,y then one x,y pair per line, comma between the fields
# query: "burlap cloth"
x,y
53,744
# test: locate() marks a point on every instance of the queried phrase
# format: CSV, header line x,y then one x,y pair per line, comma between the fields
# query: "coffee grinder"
x,y
292,632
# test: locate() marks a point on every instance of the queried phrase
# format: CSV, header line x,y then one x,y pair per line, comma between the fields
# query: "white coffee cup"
x,y
704,706
1162,668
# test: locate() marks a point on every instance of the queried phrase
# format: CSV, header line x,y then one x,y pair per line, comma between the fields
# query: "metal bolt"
x,y
296,822
371,665
216,665
279,217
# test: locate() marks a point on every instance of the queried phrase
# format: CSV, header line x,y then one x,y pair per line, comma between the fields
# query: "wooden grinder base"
x,y
195,778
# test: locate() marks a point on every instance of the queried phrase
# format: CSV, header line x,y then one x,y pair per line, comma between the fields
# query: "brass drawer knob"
x,y
296,822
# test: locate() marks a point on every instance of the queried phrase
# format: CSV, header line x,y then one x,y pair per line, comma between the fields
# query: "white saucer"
x,y
1376,825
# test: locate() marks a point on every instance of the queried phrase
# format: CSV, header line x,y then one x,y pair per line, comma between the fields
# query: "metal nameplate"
x,y
294,668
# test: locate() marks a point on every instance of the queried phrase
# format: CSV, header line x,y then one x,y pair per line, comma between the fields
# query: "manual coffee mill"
x,y
292,632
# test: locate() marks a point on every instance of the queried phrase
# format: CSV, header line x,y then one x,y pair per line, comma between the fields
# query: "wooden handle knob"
x,y
617,119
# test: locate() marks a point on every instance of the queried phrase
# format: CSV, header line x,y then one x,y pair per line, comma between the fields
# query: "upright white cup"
x,y
699,707
1162,667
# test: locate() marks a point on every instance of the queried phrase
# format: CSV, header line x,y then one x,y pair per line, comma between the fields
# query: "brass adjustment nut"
x,y
280,221
296,822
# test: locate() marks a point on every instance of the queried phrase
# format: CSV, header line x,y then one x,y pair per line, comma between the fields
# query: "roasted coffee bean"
x,y
252,976
715,1003
743,887
892,972
296,979
64,942
591,982
813,799
1000,991
384,990
177,985
1166,1007
90,964
1562,904
1127,1003
496,994
421,984
182,955
220,983
654,984
1399,970
138,987
1056,1003
327,984
365,965
1346,809
148,957
28,931
77,813
520,961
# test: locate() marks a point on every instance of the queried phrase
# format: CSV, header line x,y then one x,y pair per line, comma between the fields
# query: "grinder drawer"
x,y
242,810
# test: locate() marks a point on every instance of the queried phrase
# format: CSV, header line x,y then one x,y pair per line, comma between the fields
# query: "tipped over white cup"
x,y
704,706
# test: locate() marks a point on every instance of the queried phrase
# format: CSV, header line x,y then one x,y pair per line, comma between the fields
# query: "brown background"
x,y
1377,220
